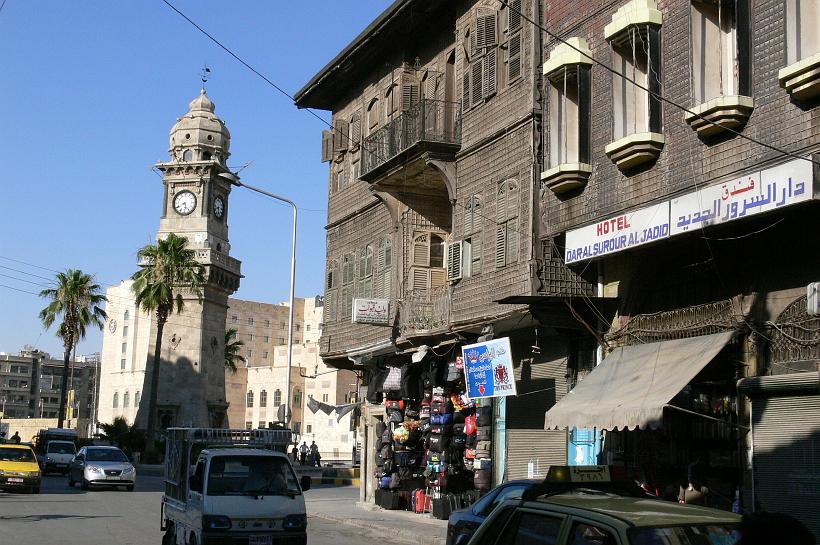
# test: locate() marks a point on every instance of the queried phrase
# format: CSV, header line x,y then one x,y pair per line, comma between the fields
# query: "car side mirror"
x,y
305,482
461,539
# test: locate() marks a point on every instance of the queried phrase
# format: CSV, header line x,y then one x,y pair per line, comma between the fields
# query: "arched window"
x,y
332,272
125,315
297,398
263,398
187,155
277,397
373,114
116,403
206,156
126,400
392,101
355,129
250,398
427,266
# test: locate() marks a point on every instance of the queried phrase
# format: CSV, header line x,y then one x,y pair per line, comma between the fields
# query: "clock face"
x,y
184,202
219,207
112,325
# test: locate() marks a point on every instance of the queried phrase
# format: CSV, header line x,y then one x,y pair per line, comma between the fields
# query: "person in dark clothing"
x,y
294,454
15,438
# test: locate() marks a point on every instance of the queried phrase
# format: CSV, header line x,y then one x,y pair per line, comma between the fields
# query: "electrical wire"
x,y
658,96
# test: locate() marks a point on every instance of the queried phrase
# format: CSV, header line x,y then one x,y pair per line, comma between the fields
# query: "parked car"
x,y
580,508
101,466
18,468
465,522
58,456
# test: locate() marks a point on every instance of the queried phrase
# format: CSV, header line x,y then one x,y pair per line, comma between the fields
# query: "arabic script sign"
x,y
748,195
619,233
488,368
371,311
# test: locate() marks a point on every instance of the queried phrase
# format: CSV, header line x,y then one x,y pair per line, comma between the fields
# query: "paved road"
x,y
63,516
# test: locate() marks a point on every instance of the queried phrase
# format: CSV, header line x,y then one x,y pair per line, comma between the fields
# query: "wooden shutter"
x,y
330,308
514,12
340,135
500,245
368,260
409,91
475,255
489,84
431,85
467,226
327,146
465,88
419,279
373,114
501,203
486,30
511,198
514,59
421,250
454,263
387,269
438,278
512,242
477,78
356,129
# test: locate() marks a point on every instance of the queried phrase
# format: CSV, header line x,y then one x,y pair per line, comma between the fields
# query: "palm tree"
x,y
232,348
167,270
76,300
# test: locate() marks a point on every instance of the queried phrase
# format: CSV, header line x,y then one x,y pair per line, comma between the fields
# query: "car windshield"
x,y
707,534
250,476
61,448
16,455
105,455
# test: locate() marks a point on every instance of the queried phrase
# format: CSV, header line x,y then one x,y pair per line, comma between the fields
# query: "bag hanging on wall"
x,y
408,458
441,407
386,436
441,419
439,443
412,414
393,380
384,482
458,429
472,441
459,440
481,479
394,404
468,464
401,435
379,459
395,416
458,417
469,453
425,425
484,433
453,372
469,425
484,416
425,411
380,427
483,449
442,429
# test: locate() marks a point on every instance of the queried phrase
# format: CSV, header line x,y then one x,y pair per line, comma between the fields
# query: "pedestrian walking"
x,y
15,438
294,454
314,454
303,452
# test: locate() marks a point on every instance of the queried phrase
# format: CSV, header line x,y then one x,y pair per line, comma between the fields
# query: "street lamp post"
x,y
234,180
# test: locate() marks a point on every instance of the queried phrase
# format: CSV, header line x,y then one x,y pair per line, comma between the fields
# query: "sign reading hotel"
x,y
619,233
488,369
371,311
752,194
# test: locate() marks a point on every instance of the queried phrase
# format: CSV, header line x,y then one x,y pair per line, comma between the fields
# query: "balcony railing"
x,y
434,123
424,311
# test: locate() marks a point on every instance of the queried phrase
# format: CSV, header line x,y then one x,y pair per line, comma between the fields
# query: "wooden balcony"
x,y
432,126
424,311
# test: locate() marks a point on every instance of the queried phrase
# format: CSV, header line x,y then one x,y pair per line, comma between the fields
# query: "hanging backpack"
x,y
443,429
424,425
472,441
483,449
469,454
384,482
453,372
484,416
458,429
425,411
469,425
386,436
441,407
380,427
441,419
459,440
395,416
439,443
395,482
376,385
394,404
485,433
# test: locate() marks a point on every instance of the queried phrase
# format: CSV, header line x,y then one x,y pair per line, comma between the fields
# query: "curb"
x,y
379,530
339,482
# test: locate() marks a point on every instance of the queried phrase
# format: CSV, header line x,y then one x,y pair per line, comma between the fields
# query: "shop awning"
x,y
630,388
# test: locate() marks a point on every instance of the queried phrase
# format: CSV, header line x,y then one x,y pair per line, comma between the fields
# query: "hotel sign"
x,y
371,311
619,233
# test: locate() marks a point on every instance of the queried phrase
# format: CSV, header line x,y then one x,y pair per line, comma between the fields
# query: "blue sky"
x,y
88,93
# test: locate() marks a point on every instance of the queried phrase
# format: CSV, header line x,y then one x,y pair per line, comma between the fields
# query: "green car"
x,y
586,513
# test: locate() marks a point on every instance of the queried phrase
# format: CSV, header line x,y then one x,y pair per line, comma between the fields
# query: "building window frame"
x,y
472,227
507,239
277,397
249,398
263,398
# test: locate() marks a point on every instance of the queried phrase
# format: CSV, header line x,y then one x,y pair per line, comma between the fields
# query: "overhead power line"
x,y
654,94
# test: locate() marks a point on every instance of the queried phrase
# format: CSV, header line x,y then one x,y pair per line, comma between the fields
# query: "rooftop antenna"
x,y
205,75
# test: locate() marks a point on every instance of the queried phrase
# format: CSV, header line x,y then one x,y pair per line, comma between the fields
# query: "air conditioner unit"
x,y
454,261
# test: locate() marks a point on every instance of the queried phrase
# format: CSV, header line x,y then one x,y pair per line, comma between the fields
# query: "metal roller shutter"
x,y
544,384
787,456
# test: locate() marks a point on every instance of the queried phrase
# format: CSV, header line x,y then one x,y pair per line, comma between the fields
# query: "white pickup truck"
x,y
231,487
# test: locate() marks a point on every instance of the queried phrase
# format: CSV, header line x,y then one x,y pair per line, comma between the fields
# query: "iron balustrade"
x,y
424,310
426,122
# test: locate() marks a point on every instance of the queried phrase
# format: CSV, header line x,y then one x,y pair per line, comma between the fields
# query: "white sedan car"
x,y
101,466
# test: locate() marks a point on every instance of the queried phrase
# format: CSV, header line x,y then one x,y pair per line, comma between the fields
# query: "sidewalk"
x,y
396,526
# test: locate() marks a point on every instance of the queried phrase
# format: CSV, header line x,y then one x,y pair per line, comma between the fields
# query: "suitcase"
x,y
442,507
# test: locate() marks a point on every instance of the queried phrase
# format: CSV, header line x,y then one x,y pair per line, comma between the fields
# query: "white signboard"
x,y
748,195
488,369
371,311
618,233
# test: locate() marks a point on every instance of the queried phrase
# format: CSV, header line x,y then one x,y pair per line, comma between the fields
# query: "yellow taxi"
x,y
19,468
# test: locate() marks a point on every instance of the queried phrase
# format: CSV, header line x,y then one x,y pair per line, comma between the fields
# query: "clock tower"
x,y
195,206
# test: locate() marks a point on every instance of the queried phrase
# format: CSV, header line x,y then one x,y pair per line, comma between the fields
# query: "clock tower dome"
x,y
195,206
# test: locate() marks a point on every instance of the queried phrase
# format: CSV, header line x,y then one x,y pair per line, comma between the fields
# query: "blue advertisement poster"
x,y
488,368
